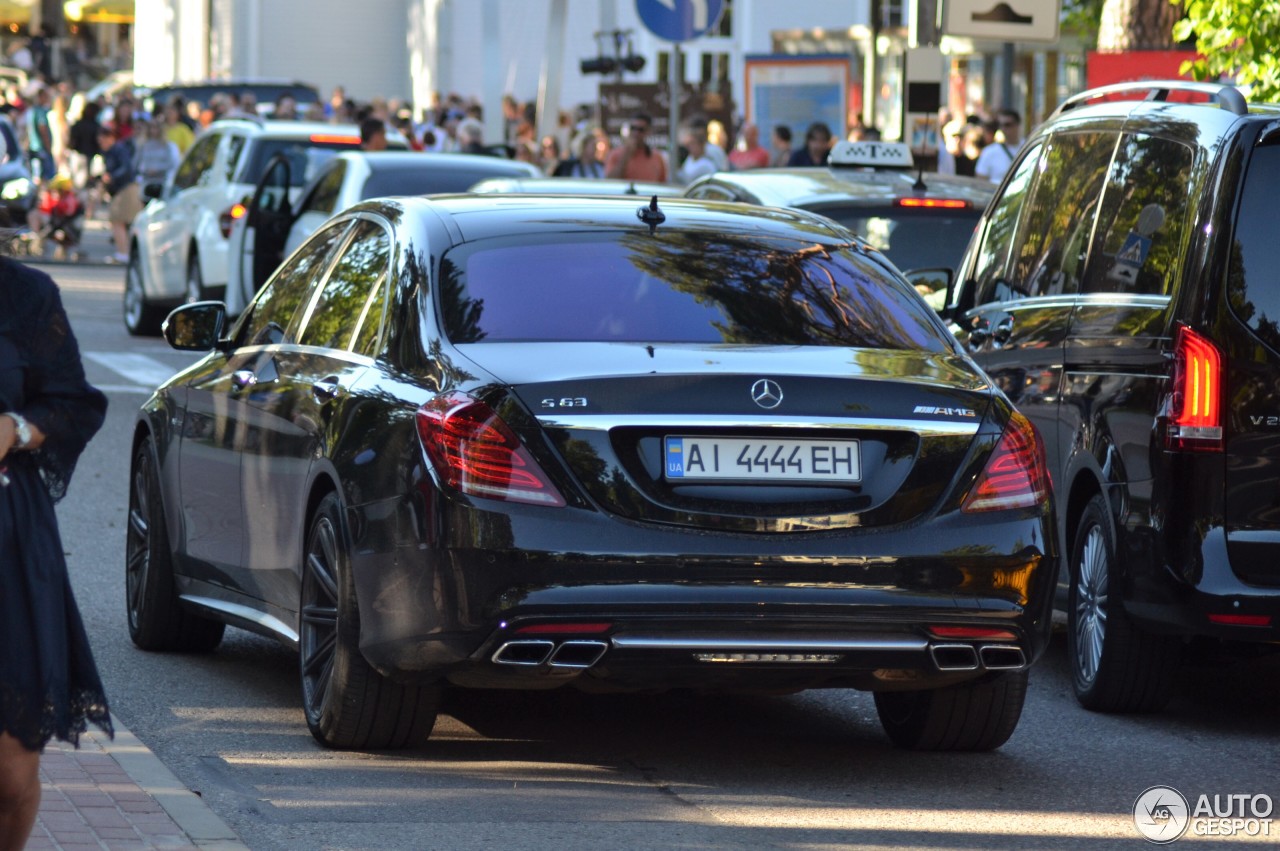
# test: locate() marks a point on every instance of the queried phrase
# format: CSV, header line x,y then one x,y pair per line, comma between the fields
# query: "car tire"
x,y
1116,666
348,704
157,621
195,280
973,716
140,317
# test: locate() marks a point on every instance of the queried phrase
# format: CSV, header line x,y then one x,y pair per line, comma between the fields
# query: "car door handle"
x,y
1003,331
327,388
243,378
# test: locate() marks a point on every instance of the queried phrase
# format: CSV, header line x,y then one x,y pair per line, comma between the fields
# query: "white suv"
x,y
178,244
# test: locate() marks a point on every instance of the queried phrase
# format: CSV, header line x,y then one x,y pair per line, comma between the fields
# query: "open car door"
x,y
267,221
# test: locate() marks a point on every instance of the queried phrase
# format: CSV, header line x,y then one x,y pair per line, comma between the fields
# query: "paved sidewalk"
x,y
118,795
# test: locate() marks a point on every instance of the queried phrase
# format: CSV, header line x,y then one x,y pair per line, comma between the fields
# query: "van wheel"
x,y
157,621
348,704
1116,666
972,716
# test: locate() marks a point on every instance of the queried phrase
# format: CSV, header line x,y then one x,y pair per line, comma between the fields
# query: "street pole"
x,y
675,87
552,72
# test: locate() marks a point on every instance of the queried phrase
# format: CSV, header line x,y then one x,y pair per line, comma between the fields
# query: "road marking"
x,y
140,369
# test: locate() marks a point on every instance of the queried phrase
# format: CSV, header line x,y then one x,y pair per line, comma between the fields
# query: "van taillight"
x,y
1016,475
1195,400
476,453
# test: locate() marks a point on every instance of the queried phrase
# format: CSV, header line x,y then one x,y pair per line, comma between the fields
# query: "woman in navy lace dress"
x,y
49,685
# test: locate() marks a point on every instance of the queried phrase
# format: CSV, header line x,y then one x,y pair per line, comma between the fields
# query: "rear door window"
x,y
713,289
1143,221
276,307
351,298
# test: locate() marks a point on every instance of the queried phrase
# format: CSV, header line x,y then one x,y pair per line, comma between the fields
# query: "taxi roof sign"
x,y
871,155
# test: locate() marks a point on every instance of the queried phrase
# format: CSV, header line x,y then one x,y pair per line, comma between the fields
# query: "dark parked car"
x,y
265,93
1123,290
537,441
920,221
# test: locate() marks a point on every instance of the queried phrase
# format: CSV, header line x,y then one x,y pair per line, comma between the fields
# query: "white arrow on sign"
x,y
700,11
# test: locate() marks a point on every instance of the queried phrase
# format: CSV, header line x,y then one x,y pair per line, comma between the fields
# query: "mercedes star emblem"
x,y
767,394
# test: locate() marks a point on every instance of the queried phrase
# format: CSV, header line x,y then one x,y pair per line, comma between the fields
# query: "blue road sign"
x,y
679,20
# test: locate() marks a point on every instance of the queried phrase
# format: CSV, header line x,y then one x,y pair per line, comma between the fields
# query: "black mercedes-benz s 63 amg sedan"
x,y
530,441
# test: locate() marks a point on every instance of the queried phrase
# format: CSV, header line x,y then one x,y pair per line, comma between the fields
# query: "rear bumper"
x,y
1186,586
670,617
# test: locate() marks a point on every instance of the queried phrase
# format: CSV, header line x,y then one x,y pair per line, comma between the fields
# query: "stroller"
x,y
59,218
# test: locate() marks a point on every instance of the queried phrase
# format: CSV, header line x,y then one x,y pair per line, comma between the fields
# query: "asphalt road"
x,y
567,770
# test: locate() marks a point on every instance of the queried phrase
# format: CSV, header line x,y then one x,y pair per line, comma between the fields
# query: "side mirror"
x,y
195,327
154,191
934,285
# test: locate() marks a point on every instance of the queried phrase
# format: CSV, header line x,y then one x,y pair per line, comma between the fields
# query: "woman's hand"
x,y
9,436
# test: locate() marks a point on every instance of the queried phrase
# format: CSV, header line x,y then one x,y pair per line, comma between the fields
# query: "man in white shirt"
x,y
996,158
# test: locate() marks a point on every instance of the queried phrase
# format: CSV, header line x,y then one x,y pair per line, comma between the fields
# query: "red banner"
x,y
1134,65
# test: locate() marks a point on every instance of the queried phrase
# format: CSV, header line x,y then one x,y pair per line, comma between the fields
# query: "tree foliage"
x,y
1237,40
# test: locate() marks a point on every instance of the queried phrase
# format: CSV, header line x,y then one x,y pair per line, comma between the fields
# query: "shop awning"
x,y
99,11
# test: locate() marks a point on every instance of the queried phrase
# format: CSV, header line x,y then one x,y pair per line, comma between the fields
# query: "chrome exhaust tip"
x,y
954,657
524,653
1002,657
578,654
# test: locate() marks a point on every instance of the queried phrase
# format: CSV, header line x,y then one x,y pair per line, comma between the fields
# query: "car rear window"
x,y
305,156
411,179
681,288
919,239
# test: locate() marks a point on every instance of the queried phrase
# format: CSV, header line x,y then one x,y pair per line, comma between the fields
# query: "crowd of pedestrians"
x,y
88,154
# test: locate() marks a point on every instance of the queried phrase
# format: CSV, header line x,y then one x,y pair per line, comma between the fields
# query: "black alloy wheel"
x,y
348,704
157,620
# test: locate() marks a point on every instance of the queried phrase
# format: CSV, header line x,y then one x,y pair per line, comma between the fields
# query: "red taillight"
x,y
564,629
476,453
1241,620
1016,475
1195,403
934,203
227,219
971,632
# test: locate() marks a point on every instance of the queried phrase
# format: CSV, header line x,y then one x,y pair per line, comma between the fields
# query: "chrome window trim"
x,y
605,422
1155,302
297,348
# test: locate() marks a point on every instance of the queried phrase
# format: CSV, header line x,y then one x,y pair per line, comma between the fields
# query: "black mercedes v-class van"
x,y
1123,289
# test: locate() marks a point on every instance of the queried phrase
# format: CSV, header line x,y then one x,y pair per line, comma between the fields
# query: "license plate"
x,y
762,460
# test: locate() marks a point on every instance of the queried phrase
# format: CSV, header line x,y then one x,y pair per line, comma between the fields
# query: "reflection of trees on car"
x,y
784,293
